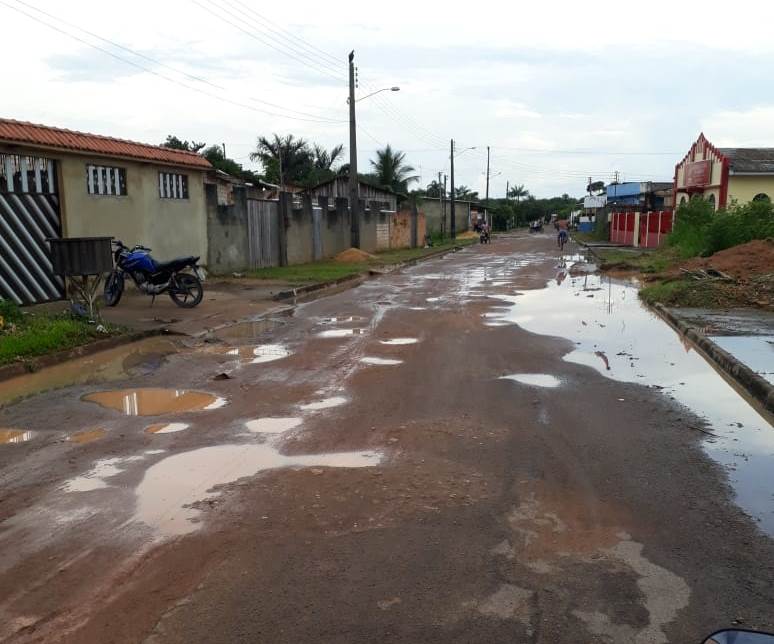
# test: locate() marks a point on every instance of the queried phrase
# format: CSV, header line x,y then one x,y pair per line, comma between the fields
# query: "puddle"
x,y
618,337
248,330
380,361
269,353
273,425
433,299
534,379
757,352
171,486
349,319
87,436
94,479
13,436
417,308
104,366
340,333
399,341
166,428
154,402
325,403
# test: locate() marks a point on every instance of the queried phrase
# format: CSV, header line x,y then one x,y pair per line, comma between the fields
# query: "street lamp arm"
x,y
384,89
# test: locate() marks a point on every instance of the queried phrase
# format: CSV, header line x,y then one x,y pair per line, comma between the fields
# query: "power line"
x,y
159,74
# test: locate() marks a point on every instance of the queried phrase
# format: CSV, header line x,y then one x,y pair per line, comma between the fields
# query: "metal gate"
x,y
263,233
29,215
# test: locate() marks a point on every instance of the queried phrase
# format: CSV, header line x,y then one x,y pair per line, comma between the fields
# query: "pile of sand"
x,y
353,256
743,261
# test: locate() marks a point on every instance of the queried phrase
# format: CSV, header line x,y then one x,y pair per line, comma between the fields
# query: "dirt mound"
x,y
742,262
353,256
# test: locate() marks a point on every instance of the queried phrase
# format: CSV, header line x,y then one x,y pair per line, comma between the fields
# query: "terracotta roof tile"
x,y
12,131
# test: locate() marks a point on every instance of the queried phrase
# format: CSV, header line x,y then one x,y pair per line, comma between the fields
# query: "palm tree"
x,y
463,192
392,171
434,189
324,159
517,192
284,159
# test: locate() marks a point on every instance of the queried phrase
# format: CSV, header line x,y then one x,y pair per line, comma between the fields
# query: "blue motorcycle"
x,y
183,286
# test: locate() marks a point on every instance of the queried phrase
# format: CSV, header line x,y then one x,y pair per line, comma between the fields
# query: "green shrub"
x,y
699,230
10,312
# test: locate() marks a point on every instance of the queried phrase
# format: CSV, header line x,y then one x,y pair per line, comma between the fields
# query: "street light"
x,y
384,89
472,147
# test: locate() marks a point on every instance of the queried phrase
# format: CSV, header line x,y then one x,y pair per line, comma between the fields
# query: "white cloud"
x,y
751,128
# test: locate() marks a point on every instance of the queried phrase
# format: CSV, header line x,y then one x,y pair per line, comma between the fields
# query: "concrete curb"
x,y
758,387
356,280
32,365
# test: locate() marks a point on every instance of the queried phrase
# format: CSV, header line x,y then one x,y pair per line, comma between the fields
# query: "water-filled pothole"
x,y
380,361
399,341
340,333
87,436
166,428
13,436
272,425
248,330
534,379
325,403
154,402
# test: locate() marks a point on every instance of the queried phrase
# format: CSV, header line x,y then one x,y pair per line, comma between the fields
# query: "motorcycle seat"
x,y
176,264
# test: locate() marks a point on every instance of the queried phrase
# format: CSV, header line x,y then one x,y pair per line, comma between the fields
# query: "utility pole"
x,y
444,204
224,150
487,176
354,195
453,226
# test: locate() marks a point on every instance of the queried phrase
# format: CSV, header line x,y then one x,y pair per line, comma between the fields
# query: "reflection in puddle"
x,y
272,425
433,299
340,333
269,353
534,379
154,402
171,486
166,428
11,436
622,340
104,366
326,403
757,352
87,436
94,479
399,341
248,330
380,361
343,320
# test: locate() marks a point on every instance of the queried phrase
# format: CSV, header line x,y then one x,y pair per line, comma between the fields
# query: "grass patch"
x,y
329,270
25,335
690,293
646,262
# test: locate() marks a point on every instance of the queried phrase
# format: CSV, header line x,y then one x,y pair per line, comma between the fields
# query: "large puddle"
x,y
534,379
105,366
756,351
247,331
170,487
154,402
616,335
14,436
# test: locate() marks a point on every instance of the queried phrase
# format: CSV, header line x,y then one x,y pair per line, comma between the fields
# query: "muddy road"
x,y
495,446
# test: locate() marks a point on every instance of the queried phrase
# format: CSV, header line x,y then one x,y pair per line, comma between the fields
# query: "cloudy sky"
x,y
559,90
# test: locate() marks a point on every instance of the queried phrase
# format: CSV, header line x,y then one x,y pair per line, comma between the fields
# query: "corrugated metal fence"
x,y
263,233
29,215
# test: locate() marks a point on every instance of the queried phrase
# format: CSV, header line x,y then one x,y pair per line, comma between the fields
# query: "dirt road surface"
x,y
495,446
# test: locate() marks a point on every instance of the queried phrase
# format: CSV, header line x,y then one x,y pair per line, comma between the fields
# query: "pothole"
x,y
248,330
154,401
340,333
166,428
87,436
534,379
269,353
325,403
380,361
399,341
272,425
12,436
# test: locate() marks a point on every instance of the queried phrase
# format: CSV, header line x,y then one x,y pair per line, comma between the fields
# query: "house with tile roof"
x,y
723,176
61,183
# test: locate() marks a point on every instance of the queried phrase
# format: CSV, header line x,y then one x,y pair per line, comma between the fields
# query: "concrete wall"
x,y
228,247
431,208
400,229
743,188
299,236
171,227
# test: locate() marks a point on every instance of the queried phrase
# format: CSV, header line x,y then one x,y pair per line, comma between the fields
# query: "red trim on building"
x,y
723,201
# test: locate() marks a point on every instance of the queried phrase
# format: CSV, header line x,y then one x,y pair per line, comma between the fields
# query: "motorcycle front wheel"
x,y
114,288
186,290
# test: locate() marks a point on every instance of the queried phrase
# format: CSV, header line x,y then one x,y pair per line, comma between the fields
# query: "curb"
x,y
32,365
356,280
758,387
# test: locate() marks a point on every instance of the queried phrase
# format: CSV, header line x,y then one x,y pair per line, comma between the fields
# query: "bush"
x,y
699,230
9,312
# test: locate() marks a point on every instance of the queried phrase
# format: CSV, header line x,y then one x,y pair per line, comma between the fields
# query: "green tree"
x,y
391,171
517,192
214,154
285,159
434,189
463,192
178,144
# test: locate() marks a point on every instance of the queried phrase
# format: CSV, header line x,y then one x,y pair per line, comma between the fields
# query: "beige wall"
x,y
743,188
171,227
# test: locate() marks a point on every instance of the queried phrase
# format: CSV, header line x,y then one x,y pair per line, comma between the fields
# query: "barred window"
x,y
173,186
105,180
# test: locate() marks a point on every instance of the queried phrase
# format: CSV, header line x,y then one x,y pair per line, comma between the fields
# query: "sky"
x,y
559,91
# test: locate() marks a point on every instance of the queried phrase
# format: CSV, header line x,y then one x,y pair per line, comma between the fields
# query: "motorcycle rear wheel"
x,y
114,288
186,290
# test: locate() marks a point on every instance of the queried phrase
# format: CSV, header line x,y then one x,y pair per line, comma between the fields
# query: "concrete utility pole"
x,y
453,226
443,204
487,176
354,193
